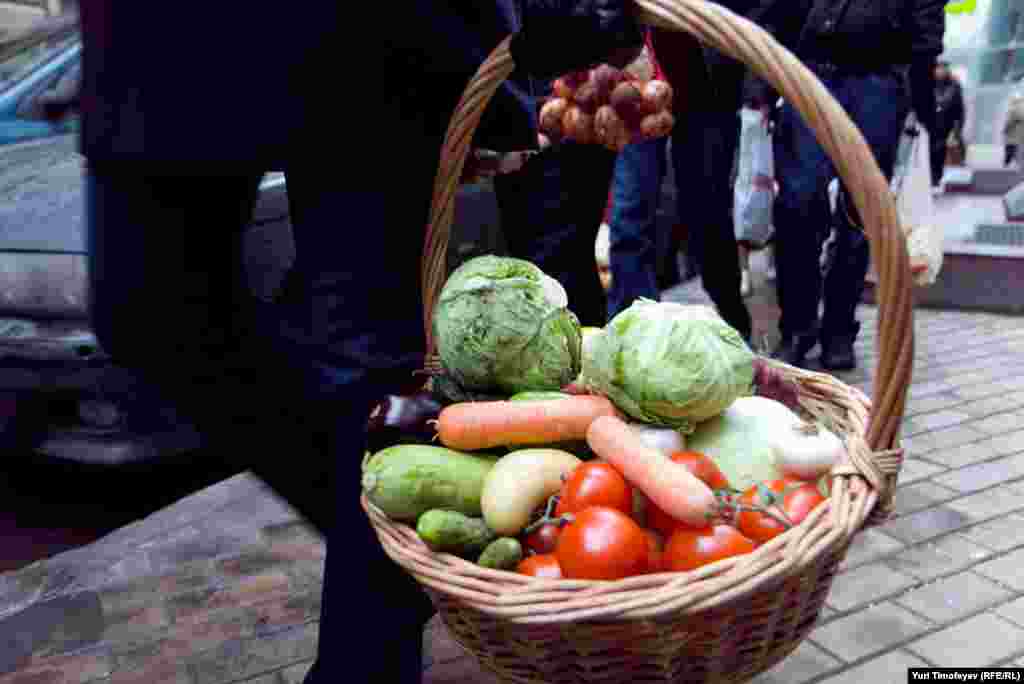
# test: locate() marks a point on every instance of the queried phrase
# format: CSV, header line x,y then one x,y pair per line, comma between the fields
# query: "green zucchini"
x,y
407,480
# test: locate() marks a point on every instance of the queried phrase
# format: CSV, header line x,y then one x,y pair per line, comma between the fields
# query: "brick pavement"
x,y
224,586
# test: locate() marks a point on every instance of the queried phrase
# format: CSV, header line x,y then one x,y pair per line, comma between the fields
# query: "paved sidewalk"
x,y
224,585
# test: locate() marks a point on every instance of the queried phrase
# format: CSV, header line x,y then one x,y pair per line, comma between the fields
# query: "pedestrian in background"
x,y
1013,129
287,391
949,120
702,145
877,87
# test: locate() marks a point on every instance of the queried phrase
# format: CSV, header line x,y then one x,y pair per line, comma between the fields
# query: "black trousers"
x,y
937,153
551,211
282,388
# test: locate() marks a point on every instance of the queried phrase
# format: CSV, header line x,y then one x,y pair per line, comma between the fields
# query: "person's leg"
x,y
937,155
878,106
550,214
703,146
802,219
633,253
1010,155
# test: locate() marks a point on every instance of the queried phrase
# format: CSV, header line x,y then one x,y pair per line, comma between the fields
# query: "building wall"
x,y
987,48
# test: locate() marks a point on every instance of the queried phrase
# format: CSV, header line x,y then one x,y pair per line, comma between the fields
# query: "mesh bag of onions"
x,y
609,107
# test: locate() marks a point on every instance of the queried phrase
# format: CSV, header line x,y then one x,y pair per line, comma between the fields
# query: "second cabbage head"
x,y
669,364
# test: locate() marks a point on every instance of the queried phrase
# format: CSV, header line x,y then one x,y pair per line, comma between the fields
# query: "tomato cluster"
x,y
597,531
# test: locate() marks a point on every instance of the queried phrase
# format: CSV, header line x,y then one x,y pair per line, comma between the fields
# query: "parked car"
x,y
41,72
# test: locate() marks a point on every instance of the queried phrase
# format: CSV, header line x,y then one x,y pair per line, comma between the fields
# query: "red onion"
x,y
586,98
626,100
605,78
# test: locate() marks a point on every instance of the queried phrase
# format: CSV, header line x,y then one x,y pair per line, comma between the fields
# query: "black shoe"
x,y
794,349
837,353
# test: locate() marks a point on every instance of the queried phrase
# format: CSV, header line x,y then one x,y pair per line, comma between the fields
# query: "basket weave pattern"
x,y
730,620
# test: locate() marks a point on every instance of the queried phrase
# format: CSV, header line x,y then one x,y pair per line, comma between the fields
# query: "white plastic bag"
x,y
911,182
754,192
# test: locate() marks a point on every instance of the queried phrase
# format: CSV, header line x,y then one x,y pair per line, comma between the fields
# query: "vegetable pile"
x,y
607,106
633,449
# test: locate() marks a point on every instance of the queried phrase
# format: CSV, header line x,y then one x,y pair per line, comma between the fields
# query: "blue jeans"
x,y
703,146
282,388
878,104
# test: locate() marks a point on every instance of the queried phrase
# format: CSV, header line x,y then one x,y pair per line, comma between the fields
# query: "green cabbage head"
x,y
669,364
502,324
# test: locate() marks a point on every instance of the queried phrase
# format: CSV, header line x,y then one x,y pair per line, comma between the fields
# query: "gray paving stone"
x,y
953,597
880,670
868,631
805,663
988,504
927,422
979,476
865,584
943,556
915,469
1012,611
982,408
868,546
999,534
926,524
963,455
1008,569
1008,443
980,641
999,423
921,495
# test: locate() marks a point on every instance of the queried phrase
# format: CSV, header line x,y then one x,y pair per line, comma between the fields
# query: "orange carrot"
x,y
668,484
487,424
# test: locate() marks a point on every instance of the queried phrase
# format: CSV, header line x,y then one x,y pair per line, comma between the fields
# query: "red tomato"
x,y
603,544
704,469
788,498
655,551
544,538
691,547
542,565
595,484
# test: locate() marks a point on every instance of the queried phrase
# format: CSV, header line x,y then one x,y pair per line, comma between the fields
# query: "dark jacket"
x,y
864,36
949,106
199,87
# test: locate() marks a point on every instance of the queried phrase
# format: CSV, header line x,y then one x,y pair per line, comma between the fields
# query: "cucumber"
x,y
502,554
407,480
453,532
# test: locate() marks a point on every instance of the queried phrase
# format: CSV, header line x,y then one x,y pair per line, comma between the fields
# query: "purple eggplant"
x,y
403,419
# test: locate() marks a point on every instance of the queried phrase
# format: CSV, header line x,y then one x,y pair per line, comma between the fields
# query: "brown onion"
x,y
657,125
657,96
550,118
562,89
626,100
609,129
578,125
586,98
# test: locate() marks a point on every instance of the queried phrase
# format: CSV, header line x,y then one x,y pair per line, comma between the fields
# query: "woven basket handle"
x,y
746,42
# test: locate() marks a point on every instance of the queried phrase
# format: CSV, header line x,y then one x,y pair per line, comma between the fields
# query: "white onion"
x,y
806,451
665,440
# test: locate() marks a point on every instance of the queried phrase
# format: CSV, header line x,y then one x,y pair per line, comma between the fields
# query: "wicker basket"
x,y
728,621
